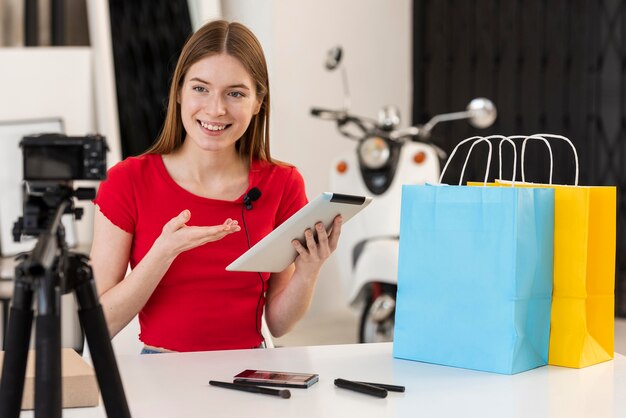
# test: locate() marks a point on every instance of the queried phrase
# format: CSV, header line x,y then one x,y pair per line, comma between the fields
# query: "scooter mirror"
x,y
484,112
333,58
389,117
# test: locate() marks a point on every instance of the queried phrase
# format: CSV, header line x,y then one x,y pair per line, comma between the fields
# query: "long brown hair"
x,y
238,41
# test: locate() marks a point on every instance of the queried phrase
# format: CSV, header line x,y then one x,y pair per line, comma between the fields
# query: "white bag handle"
x,y
510,140
502,139
535,136
467,159
445,167
556,137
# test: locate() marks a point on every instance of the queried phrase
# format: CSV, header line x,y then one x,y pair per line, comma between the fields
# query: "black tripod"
x,y
47,272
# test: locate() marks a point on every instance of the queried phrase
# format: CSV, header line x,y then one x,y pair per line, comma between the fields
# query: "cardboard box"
x,y
79,385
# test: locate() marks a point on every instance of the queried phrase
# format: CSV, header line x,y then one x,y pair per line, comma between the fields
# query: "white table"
x,y
176,385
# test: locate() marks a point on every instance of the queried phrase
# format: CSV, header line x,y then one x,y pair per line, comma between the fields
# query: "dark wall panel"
x,y
147,38
555,66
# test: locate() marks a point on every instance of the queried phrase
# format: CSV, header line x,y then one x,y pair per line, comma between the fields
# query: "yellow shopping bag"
x,y
582,318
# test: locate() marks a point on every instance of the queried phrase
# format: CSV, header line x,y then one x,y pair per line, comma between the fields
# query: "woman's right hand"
x,y
178,237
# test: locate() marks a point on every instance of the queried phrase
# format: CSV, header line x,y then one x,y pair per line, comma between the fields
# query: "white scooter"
x,y
386,158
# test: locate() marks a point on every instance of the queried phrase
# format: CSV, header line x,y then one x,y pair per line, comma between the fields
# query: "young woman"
x,y
177,214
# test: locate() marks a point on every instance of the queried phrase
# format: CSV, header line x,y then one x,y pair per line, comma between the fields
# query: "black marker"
x,y
283,393
361,387
390,388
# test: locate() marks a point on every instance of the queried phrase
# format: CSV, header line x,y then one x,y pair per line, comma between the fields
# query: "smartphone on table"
x,y
271,378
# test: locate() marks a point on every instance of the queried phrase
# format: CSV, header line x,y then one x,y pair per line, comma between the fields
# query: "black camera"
x,y
51,163
57,157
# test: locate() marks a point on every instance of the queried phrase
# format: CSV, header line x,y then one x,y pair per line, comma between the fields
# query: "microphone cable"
x,y
257,320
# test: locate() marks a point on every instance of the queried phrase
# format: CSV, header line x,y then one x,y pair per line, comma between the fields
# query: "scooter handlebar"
x,y
347,123
328,114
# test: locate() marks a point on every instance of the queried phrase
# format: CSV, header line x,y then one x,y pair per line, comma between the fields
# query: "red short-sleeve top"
x,y
198,305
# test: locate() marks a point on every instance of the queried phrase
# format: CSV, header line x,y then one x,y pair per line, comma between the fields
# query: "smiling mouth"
x,y
215,127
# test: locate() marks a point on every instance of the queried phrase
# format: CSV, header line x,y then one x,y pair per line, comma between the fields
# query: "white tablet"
x,y
275,251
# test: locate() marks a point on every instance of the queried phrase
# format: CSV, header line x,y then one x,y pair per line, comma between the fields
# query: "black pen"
x,y
283,393
390,388
361,387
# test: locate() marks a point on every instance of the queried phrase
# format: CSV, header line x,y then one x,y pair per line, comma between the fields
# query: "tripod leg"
x,y
5,320
99,341
48,379
16,354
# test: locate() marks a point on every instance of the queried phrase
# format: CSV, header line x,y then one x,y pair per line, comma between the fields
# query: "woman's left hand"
x,y
312,257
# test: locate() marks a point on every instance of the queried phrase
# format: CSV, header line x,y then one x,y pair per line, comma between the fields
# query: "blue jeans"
x,y
149,351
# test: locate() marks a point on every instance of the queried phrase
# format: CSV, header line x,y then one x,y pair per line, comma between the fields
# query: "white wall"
x,y
376,37
51,82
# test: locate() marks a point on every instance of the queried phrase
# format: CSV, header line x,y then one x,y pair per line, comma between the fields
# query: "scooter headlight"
x,y
374,152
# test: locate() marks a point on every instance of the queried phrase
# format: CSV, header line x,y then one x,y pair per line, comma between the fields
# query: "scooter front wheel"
x,y
378,316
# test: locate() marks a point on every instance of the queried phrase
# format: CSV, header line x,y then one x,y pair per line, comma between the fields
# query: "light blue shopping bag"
x,y
475,277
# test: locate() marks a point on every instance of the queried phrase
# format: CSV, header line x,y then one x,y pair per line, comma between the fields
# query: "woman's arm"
x,y
123,297
290,292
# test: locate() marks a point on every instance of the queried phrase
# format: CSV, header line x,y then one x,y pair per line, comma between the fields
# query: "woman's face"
x,y
217,101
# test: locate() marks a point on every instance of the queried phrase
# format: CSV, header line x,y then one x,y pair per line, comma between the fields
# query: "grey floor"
x,y
341,328
620,336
